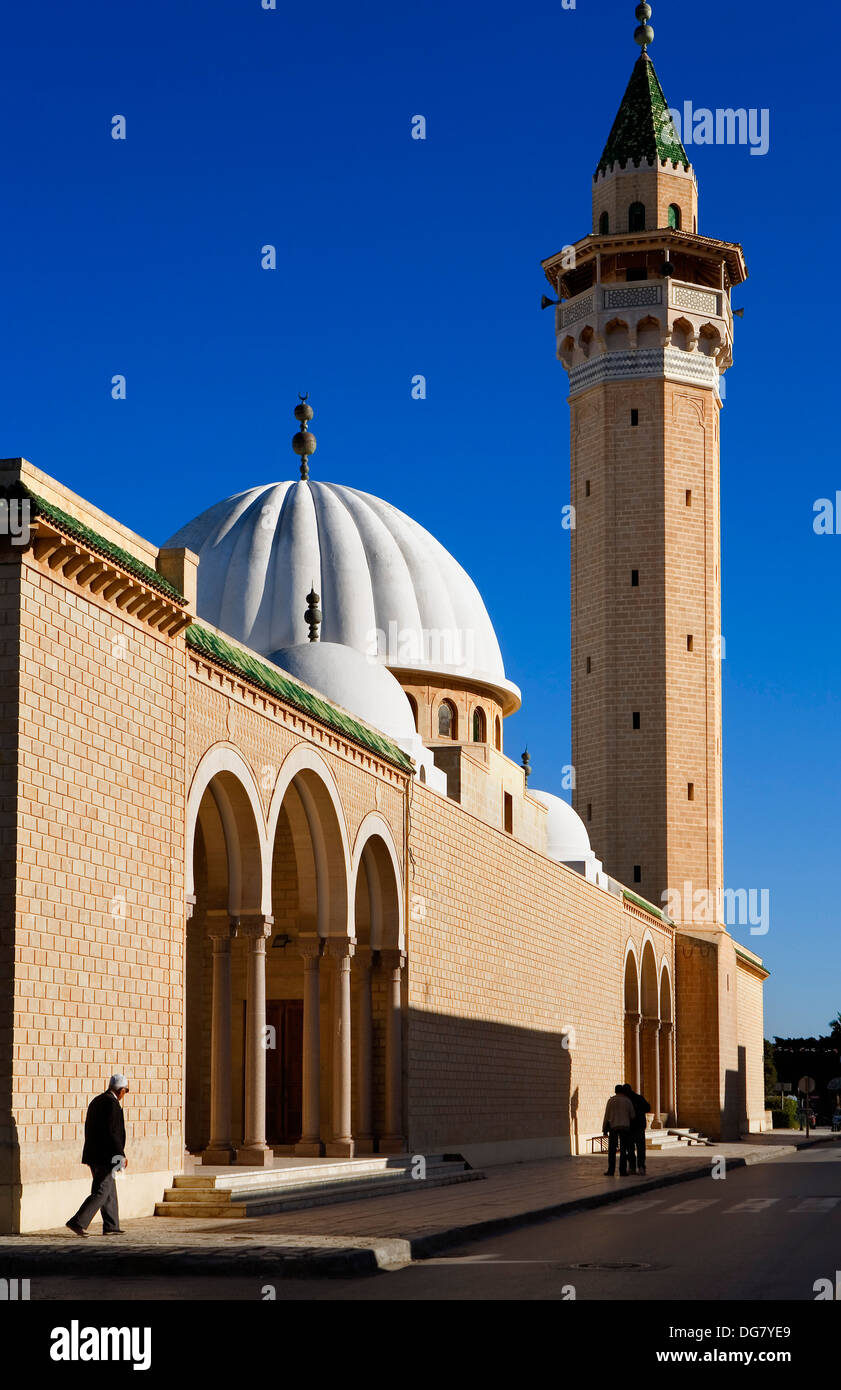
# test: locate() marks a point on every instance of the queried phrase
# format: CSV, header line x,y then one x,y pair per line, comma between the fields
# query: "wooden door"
x,y
284,1071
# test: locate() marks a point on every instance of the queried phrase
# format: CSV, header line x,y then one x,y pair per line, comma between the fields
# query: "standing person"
x,y
641,1109
618,1118
104,1152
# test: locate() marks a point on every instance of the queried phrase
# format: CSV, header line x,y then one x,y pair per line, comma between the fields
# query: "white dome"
x,y
566,833
361,686
377,572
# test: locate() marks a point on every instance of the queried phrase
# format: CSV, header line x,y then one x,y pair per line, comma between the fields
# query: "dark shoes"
x,y
77,1230
117,1231
609,1173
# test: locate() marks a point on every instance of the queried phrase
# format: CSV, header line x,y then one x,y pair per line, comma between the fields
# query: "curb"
x,y
423,1247
278,1260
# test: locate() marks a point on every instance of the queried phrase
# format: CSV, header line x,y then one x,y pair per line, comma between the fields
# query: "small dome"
x,y
362,686
566,834
387,586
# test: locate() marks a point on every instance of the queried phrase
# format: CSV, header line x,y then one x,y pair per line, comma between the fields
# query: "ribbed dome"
x,y
376,569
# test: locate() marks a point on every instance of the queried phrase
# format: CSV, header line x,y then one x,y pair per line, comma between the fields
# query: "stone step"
x,y
267,1204
201,1196
190,1209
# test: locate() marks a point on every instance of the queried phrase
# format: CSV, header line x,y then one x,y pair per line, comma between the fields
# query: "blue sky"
x,y
292,127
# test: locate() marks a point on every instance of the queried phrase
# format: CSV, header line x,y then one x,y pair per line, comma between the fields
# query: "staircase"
x,y
267,1191
673,1140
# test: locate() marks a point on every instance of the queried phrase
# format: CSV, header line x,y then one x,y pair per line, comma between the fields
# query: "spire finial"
x,y
303,442
313,613
644,34
526,760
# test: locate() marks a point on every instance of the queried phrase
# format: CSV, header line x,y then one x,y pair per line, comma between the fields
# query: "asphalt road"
x,y
767,1232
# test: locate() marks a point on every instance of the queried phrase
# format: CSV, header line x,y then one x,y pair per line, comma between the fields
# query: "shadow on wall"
x,y
476,1082
734,1116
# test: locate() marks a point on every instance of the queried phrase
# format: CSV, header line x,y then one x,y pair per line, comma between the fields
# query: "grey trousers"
x,y
103,1197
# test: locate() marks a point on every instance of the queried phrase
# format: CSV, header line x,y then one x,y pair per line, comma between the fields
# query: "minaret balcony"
x,y
616,316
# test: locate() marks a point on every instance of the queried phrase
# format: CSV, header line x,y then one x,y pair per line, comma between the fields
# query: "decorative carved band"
x,y
693,367
629,299
701,301
571,313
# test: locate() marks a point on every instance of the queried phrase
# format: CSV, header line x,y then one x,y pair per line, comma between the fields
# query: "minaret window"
x,y
635,417
636,217
498,734
635,579
587,488
447,720
690,791
479,726
637,873
635,719
589,665
690,642
689,497
674,216
604,224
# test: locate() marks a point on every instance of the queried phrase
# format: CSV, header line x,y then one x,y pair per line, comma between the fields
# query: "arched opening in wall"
x,y
228,890
498,734
649,332
567,351
307,1000
709,339
667,1043
683,334
447,720
636,217
649,1029
480,727
585,341
604,224
632,1022
414,708
617,336
377,1005
674,216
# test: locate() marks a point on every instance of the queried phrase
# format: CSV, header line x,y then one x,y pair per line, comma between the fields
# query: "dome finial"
x,y
303,442
644,34
526,760
313,613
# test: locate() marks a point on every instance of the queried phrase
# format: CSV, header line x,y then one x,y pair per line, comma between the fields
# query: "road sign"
x,y
784,1086
806,1084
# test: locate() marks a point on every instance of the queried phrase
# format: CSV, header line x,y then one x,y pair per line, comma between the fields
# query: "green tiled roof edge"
x,y
639,131
644,903
116,553
254,670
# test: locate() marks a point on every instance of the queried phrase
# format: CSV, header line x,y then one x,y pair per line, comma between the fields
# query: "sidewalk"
x,y
379,1232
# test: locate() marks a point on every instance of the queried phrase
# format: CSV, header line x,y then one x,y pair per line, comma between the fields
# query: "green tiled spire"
x,y
640,131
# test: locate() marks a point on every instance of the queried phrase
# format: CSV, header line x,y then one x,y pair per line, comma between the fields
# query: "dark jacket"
x,y
641,1109
105,1131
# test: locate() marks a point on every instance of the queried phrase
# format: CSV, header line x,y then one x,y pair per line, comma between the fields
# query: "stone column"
x,y
635,1024
310,1142
655,1028
186,1158
255,1152
220,1150
364,1140
341,1144
393,1141
670,1076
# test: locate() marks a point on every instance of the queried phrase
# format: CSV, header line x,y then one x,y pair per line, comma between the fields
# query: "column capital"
x,y
341,948
221,927
189,905
254,924
392,959
309,947
364,957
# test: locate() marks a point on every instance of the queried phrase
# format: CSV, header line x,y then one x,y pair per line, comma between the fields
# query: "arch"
x,y
376,851
649,991
683,335
566,352
447,720
498,734
318,824
413,705
585,341
632,1017
617,335
604,224
666,995
636,217
649,332
631,979
480,725
709,339
674,216
232,819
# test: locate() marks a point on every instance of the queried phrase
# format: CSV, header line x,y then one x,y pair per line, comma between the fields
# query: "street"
x,y
766,1232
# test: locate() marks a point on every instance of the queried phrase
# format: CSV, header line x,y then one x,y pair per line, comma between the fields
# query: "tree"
x,y
770,1068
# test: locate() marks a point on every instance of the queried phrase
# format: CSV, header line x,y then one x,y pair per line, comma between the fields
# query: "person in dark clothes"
x,y
641,1109
618,1117
104,1153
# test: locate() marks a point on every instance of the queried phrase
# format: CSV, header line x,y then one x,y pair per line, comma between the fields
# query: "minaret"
x,y
644,329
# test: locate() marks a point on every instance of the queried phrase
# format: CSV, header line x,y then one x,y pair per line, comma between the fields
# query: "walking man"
x,y
618,1118
104,1153
641,1109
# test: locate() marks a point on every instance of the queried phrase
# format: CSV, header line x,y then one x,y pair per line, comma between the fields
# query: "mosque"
x,y
264,848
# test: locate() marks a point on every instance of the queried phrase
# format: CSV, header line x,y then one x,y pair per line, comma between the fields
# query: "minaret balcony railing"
x,y
607,299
